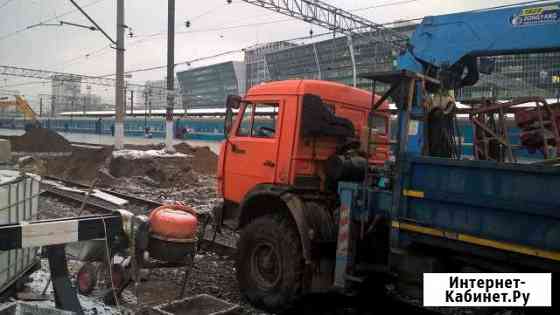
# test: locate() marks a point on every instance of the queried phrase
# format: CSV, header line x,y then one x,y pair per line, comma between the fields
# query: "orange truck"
x,y
288,145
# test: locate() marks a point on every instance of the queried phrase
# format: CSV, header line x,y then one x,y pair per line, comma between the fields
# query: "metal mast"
x,y
119,86
170,75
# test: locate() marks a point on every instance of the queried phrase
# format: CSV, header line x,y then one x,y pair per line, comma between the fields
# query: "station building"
x,y
343,59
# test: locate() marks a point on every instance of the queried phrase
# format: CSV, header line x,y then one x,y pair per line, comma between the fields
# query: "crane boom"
x,y
446,47
21,104
335,19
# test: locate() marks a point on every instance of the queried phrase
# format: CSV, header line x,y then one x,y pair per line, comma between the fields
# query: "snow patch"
x,y
138,154
7,176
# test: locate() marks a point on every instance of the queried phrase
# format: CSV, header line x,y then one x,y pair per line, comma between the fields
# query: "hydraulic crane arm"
x,y
445,47
21,104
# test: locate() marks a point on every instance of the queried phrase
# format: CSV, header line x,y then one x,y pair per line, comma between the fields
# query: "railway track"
x,y
128,197
207,243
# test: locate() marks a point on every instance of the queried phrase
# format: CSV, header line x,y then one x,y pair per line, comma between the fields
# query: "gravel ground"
x,y
51,207
212,274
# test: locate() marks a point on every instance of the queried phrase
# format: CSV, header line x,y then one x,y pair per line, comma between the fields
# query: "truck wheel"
x,y
270,262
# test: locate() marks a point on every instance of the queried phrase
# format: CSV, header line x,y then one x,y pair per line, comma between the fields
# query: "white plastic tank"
x,y
19,199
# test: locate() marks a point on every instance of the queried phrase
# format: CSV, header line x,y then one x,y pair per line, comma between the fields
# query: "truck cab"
x,y
288,146
268,142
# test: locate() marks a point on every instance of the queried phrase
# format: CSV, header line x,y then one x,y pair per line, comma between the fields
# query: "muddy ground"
x,y
147,172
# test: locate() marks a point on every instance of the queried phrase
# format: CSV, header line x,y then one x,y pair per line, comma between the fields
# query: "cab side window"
x,y
246,121
264,124
259,120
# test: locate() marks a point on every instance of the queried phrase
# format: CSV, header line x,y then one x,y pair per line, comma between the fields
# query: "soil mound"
x,y
203,159
184,148
40,140
144,147
152,169
81,166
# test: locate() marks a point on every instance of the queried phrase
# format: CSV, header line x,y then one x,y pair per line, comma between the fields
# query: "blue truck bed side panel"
x,y
511,203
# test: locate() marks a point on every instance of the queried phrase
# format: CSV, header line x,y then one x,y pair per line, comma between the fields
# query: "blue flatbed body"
x,y
465,205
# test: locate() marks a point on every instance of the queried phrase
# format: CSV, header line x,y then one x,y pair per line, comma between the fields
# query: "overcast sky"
x,y
215,27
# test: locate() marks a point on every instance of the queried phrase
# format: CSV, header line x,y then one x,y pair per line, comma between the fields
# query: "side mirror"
x,y
232,102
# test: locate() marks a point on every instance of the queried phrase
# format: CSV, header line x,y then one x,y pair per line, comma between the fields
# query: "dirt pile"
x,y
203,159
145,147
40,140
152,168
136,166
81,166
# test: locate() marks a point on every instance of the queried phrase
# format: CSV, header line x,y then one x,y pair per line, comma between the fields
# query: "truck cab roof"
x,y
328,90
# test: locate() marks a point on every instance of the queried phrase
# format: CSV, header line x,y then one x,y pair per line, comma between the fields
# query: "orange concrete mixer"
x,y
173,230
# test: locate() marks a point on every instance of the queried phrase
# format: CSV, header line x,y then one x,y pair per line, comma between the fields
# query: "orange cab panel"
x,y
265,145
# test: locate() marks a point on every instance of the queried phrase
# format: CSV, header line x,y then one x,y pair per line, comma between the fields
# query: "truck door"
x,y
251,150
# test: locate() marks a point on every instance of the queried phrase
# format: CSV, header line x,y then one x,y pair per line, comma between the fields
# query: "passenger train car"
x,y
201,126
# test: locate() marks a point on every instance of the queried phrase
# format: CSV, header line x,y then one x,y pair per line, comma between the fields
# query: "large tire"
x,y
270,263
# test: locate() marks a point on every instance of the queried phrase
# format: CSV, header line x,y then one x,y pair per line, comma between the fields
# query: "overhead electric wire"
x,y
188,62
146,37
22,84
8,35
381,5
5,4
82,55
268,22
205,13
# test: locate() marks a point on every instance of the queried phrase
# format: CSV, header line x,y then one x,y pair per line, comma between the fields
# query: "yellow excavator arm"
x,y
21,104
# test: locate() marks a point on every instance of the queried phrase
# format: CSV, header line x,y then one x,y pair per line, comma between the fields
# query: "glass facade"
x,y
207,87
518,75
536,74
257,69
332,59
